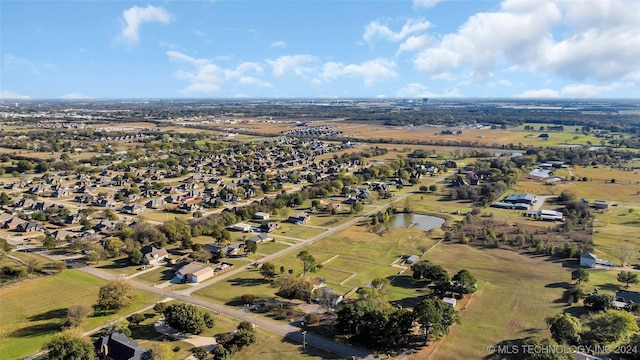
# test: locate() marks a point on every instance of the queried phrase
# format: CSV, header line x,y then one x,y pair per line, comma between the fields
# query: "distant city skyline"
x,y
342,49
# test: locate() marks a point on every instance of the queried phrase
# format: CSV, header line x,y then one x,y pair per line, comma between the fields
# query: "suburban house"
x,y
194,272
628,296
105,226
152,255
259,238
269,227
588,260
520,199
134,209
29,226
261,216
591,261
301,218
118,347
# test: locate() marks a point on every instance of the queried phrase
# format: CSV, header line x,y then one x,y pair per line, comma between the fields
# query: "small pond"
x,y
424,222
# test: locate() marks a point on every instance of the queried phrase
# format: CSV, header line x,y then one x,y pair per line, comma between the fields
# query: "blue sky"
x,y
320,49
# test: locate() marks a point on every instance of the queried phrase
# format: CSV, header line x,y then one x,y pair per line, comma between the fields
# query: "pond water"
x,y
424,222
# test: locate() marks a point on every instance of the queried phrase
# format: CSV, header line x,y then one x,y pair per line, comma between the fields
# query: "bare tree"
x,y
624,254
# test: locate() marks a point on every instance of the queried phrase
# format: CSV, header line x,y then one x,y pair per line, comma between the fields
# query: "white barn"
x,y
588,260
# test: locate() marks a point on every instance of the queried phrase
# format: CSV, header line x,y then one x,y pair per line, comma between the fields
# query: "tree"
x,y
308,262
250,247
69,345
187,318
624,254
161,352
160,307
136,256
464,282
565,328
117,326
628,277
113,246
115,295
200,353
136,319
430,272
580,275
609,327
435,316
49,242
598,302
268,270
381,284
75,315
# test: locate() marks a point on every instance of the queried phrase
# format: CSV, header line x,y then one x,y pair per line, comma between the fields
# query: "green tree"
x,y
628,277
49,242
609,327
136,256
136,319
69,345
113,246
115,295
565,328
464,283
580,275
308,262
598,302
268,270
435,316
250,247
187,318
200,353
160,351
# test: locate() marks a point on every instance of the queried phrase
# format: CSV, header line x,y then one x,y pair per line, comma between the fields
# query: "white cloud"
x,y
377,30
413,43
279,44
6,94
426,3
75,96
575,91
298,65
137,16
206,77
370,71
582,40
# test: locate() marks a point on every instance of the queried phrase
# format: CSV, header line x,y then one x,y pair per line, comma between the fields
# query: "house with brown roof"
x,y
194,272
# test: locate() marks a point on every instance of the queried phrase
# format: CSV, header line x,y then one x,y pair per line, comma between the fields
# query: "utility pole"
x,y
304,339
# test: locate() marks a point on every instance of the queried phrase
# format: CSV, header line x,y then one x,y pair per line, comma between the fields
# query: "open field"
x,y
229,290
515,294
606,281
33,310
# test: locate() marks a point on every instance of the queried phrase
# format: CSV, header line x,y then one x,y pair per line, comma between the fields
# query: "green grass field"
x,y
32,311
515,294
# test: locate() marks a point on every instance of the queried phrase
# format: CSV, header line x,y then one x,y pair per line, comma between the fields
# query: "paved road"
x,y
286,330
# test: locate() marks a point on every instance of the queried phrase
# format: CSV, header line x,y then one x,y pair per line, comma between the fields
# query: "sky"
x,y
319,49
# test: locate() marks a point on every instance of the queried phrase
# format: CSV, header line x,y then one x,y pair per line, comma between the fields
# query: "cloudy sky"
x,y
320,49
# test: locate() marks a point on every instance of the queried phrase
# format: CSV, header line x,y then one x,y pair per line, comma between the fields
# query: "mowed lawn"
x,y
32,311
516,293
